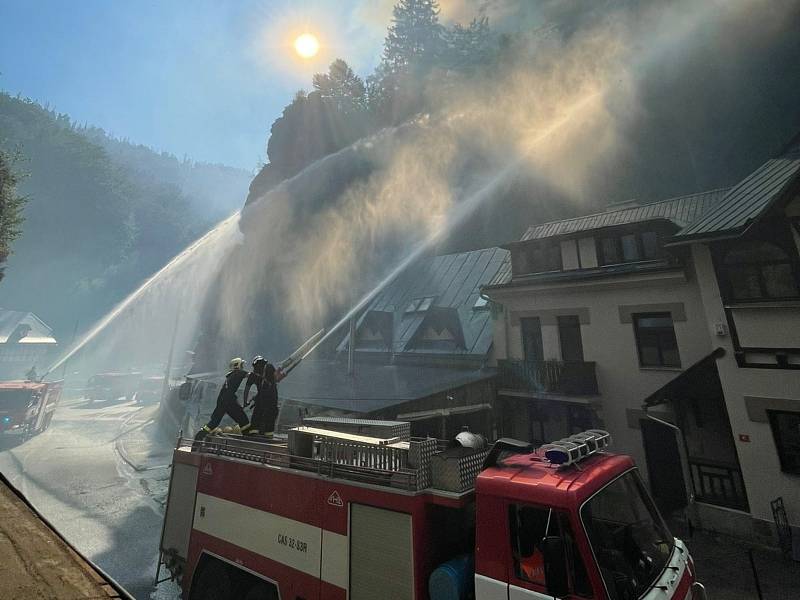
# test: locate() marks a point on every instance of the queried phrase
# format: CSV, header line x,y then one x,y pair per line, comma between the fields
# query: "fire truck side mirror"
x,y
555,566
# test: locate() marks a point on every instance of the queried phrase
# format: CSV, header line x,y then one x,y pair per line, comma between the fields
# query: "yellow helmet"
x,y
237,364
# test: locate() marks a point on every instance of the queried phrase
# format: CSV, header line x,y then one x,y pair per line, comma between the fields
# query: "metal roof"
x,y
372,386
747,201
682,211
453,281
37,331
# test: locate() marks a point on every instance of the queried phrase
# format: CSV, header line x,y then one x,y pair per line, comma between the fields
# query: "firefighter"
x,y
226,401
265,403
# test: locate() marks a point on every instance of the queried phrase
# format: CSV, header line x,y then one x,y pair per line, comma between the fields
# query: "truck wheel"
x,y
212,583
262,591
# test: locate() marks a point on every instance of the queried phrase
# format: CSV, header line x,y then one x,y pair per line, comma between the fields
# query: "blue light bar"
x,y
576,447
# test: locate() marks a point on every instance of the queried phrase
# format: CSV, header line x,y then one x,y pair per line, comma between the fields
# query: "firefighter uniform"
x,y
227,403
265,402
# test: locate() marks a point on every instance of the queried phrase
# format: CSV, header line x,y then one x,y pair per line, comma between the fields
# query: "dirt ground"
x,y
36,562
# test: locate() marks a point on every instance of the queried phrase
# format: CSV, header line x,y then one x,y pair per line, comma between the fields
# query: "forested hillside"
x,y
101,215
212,190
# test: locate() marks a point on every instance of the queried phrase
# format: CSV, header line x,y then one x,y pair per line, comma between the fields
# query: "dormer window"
x,y
375,331
419,304
440,330
629,247
537,258
481,303
437,333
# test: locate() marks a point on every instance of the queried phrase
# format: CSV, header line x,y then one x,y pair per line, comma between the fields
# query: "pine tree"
x,y
468,47
414,39
341,86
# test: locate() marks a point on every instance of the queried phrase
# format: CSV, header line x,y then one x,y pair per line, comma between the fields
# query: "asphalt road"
x,y
107,507
100,475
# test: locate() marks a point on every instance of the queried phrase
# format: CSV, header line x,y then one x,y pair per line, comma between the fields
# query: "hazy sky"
x,y
204,78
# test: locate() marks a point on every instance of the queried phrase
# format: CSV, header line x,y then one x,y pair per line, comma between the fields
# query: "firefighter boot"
x,y
200,435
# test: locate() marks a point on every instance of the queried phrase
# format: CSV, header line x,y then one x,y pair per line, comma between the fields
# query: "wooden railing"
x,y
718,483
550,376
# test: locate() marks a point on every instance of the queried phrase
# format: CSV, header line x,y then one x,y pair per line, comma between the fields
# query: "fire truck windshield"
x,y
14,399
630,541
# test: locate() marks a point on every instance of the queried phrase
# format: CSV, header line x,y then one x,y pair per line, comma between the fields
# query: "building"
x,y
420,353
676,326
595,314
25,342
746,252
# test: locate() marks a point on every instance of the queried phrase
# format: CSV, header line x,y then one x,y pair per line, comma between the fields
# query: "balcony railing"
x,y
718,483
573,378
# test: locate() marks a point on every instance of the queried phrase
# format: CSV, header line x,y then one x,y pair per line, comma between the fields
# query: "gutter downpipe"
x,y
684,465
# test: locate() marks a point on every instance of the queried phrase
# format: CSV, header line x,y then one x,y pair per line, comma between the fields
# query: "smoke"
x,y
565,102
588,103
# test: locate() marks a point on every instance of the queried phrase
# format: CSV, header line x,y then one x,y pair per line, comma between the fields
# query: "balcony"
x,y
571,378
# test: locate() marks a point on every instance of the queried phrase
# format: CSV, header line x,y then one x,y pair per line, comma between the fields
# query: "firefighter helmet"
x,y
237,364
258,359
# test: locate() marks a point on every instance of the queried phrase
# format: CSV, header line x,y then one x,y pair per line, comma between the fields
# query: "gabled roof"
x,y
746,202
35,330
681,211
453,281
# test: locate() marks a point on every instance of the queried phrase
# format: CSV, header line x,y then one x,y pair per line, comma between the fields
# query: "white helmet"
x,y
237,364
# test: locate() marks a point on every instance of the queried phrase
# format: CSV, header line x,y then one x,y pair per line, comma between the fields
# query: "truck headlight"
x,y
6,419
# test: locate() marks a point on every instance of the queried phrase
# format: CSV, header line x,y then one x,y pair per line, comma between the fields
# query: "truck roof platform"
x,y
38,562
388,457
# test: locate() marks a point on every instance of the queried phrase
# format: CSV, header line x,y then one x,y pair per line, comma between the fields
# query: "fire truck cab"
x,y
27,407
358,509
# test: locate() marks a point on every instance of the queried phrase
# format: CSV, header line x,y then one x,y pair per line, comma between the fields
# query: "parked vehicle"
x,y
358,510
149,390
27,407
112,386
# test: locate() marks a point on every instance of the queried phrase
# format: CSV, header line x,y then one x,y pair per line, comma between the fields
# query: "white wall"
x,y
763,478
610,342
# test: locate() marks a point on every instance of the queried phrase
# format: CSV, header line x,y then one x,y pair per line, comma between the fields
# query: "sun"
x,y
307,45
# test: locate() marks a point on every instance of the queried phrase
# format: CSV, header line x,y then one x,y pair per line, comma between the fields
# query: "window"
x,y
532,339
655,340
537,258
650,249
609,252
569,331
481,303
419,304
529,525
786,431
759,270
631,247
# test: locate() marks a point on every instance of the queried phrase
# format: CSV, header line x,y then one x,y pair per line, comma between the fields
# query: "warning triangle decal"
x,y
335,499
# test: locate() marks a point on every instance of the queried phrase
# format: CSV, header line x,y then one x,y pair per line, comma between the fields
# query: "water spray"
x,y
461,211
122,306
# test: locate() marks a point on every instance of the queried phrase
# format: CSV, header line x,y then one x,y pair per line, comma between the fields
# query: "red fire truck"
x,y
357,509
27,407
